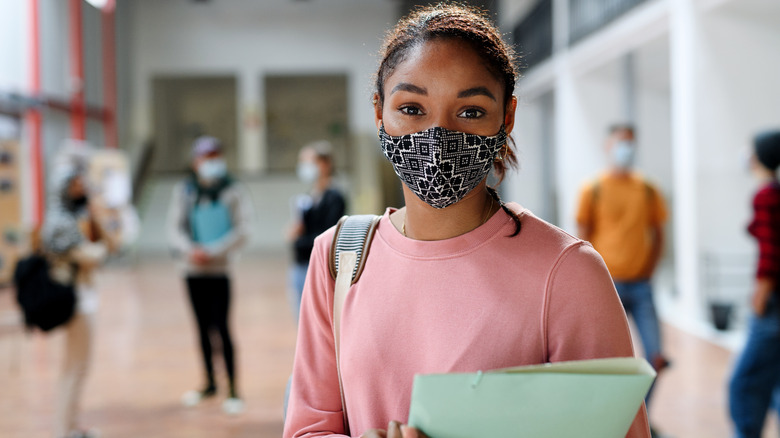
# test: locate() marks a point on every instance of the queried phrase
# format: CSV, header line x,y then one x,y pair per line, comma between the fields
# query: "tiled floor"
x,y
146,357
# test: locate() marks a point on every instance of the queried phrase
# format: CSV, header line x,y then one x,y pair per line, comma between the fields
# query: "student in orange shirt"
x,y
622,215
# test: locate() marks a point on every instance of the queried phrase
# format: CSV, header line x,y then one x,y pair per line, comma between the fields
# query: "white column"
x,y
684,169
564,103
549,183
251,151
629,87
560,25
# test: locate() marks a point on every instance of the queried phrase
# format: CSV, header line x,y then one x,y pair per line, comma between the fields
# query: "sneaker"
x,y
193,398
91,433
233,406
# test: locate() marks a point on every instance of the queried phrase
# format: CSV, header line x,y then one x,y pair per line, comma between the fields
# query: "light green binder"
x,y
584,399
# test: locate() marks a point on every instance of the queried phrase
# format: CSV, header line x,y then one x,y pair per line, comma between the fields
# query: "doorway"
x,y
187,107
302,109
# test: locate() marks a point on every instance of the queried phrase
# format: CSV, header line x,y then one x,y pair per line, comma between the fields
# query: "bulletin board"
x,y
10,208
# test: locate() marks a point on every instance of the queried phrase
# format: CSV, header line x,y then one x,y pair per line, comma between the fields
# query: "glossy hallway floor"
x,y
145,357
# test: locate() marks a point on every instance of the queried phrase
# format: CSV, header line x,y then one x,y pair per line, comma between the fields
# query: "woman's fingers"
x,y
394,430
374,433
410,432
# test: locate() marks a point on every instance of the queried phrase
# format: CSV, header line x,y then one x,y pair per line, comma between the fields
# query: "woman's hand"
x,y
761,295
295,231
104,225
199,257
394,430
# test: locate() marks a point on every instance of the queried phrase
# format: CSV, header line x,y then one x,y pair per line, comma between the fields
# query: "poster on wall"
x,y
110,187
10,198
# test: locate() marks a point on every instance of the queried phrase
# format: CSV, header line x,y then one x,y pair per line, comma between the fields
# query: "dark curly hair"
x,y
461,22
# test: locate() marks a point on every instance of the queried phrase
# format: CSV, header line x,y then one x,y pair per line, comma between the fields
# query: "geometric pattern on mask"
x,y
441,166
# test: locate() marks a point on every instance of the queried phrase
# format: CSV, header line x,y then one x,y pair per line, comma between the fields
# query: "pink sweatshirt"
x,y
479,301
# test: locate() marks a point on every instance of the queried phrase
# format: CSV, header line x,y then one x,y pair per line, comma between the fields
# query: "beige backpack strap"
x,y
347,259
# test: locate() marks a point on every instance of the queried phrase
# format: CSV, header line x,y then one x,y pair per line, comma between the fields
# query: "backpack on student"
x,y
348,254
649,193
46,304
208,221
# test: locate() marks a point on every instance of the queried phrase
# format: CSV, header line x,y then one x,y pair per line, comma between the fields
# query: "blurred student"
x,y
757,371
75,240
623,215
314,212
209,221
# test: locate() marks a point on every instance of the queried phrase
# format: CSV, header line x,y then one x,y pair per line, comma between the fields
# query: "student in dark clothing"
x,y
757,371
314,212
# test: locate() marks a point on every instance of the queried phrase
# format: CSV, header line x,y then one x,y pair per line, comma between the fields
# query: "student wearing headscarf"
x,y
75,241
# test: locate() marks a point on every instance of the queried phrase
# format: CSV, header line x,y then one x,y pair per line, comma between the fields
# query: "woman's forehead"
x,y
442,59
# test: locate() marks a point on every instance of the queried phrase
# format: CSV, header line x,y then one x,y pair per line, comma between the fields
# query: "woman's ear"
x,y
377,111
509,114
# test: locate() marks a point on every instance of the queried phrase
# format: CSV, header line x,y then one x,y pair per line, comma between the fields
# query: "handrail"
x,y
15,105
534,34
141,169
588,16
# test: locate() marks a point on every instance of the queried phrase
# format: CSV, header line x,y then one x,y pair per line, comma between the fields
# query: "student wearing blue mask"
x,y
622,214
209,221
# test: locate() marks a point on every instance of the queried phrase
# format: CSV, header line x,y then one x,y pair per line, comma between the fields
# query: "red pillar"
x,y
34,118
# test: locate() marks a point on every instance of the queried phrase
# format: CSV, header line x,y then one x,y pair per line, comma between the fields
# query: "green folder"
x,y
590,398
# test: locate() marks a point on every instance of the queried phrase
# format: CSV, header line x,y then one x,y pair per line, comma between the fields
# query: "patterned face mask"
x,y
441,166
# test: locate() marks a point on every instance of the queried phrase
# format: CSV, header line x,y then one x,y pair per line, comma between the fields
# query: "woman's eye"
x,y
471,113
411,110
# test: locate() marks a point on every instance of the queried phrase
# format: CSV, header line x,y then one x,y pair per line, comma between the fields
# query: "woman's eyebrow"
x,y
476,91
405,86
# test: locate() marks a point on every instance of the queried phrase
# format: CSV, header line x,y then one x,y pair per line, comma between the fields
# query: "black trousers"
x,y
210,297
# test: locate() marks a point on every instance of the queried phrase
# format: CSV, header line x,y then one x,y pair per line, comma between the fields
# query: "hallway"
x,y
146,357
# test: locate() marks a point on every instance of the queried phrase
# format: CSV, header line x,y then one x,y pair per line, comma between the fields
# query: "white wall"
x,y
525,185
251,39
739,94
14,45
586,106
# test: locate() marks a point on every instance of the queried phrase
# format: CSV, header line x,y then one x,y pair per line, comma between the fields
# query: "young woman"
x,y
456,281
75,240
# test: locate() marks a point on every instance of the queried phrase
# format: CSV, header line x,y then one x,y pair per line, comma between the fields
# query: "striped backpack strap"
x,y
348,251
353,233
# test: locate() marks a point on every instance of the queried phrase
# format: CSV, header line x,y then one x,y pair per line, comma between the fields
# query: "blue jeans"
x,y
295,291
637,299
757,373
